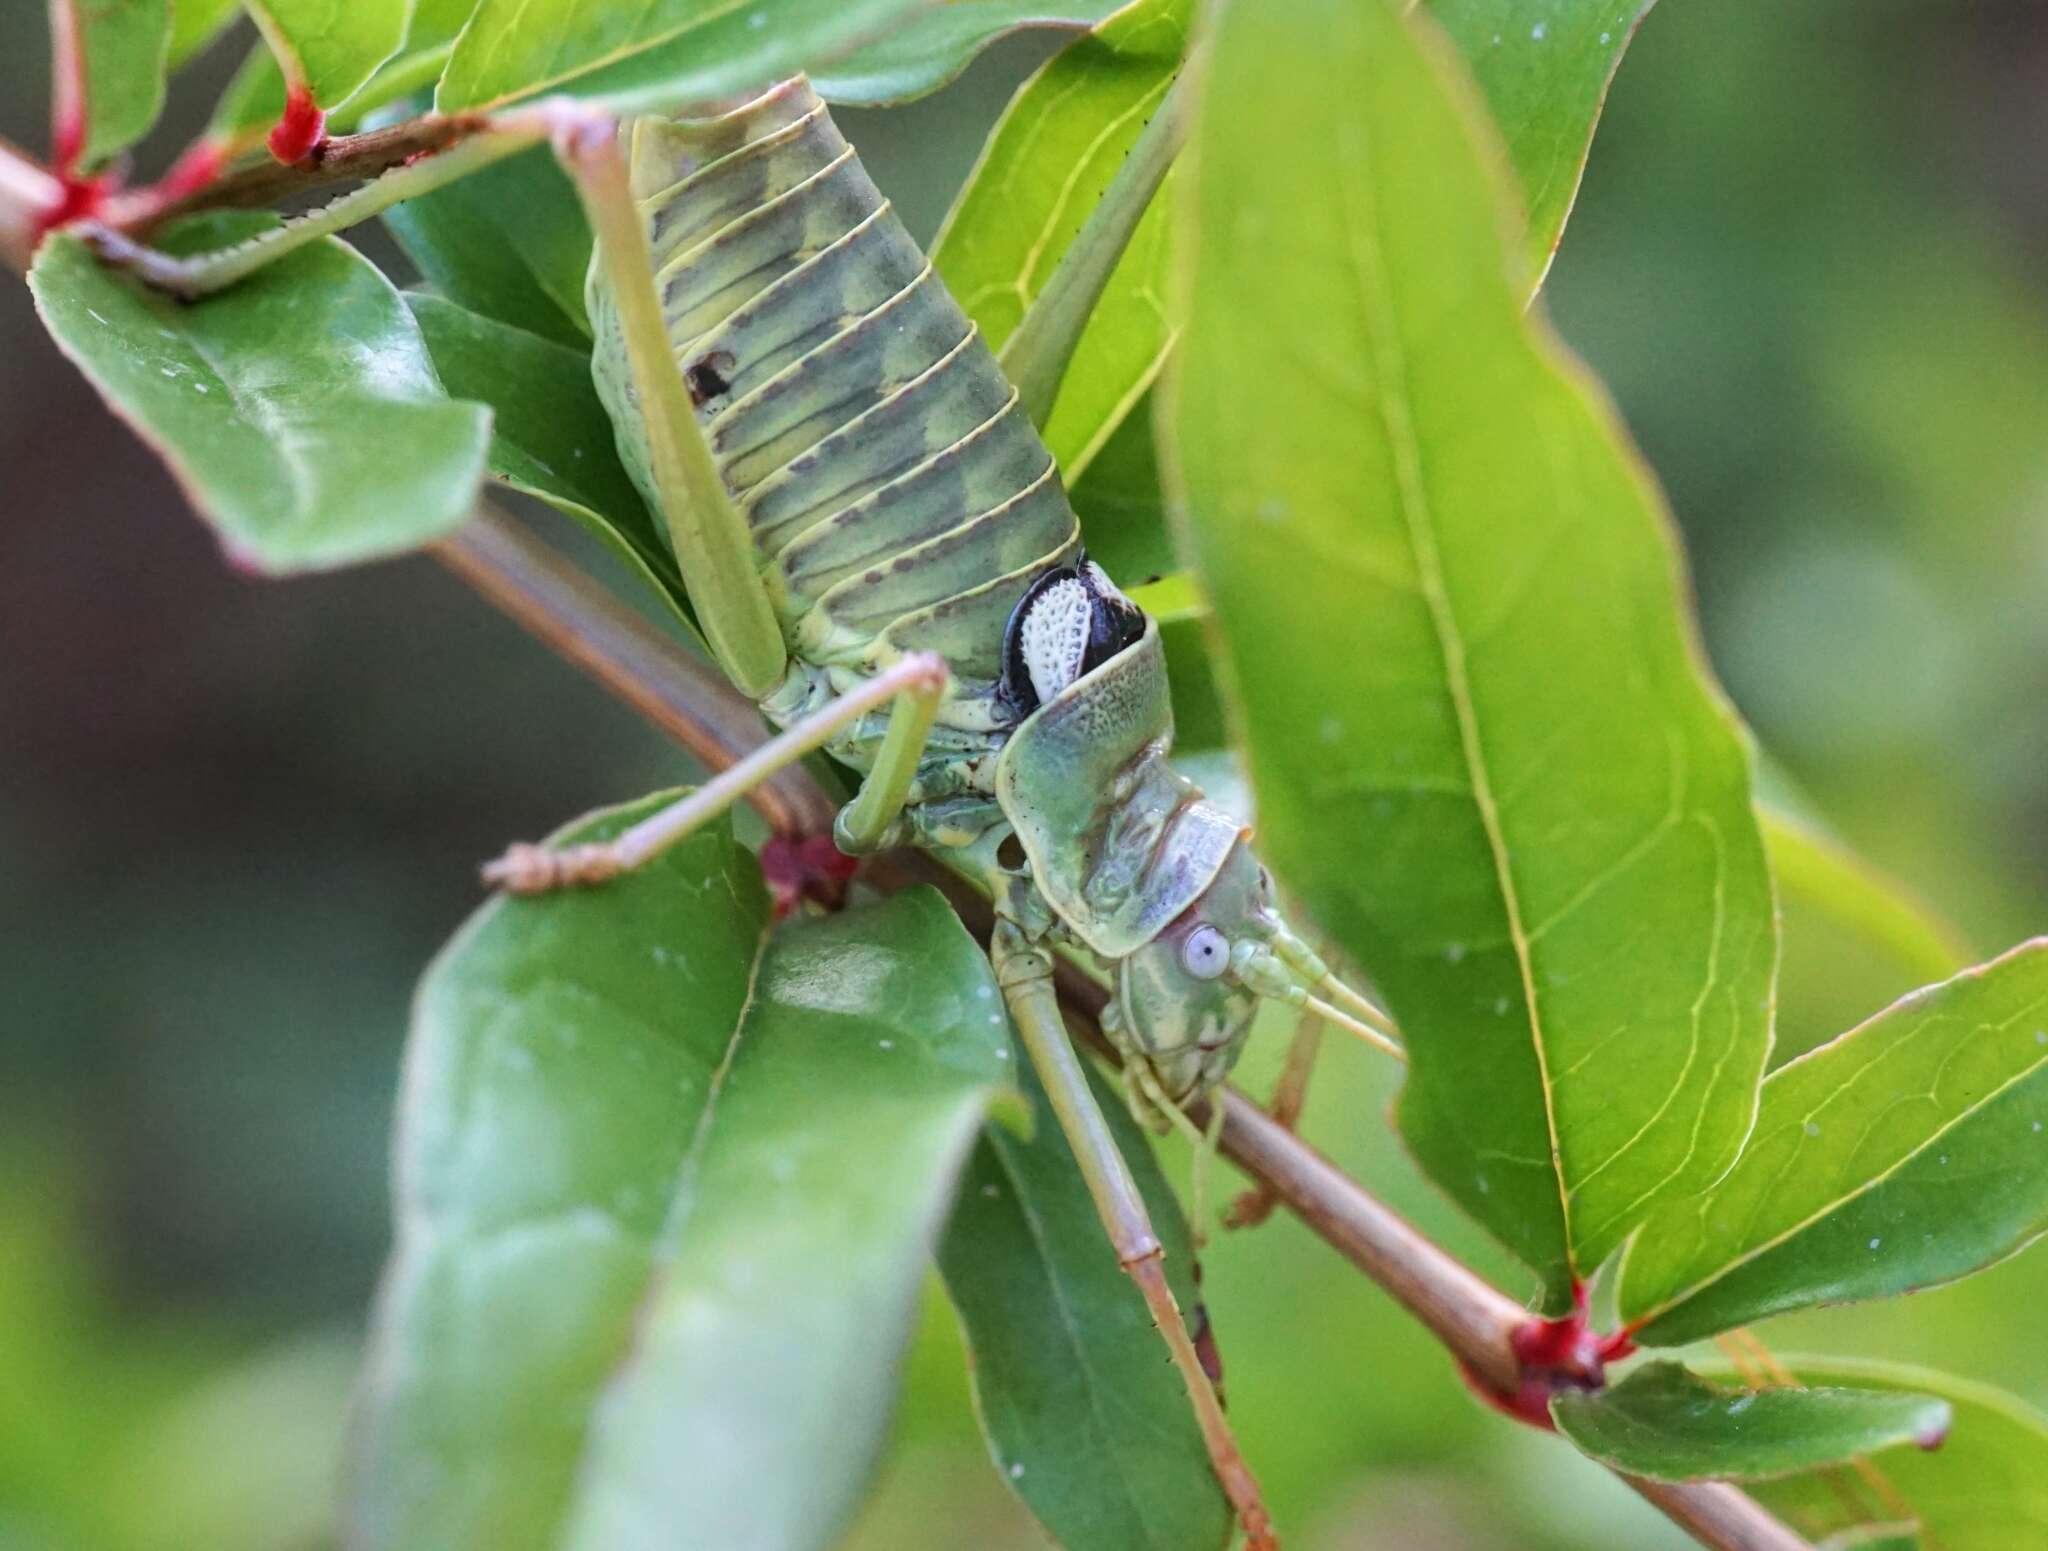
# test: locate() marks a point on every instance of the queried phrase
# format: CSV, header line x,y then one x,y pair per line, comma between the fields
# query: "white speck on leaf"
x,y
1875,1242
886,1044
1740,1404
1812,1128
1273,509
1536,32
1453,952
1605,36
990,1191
1016,1472
1331,730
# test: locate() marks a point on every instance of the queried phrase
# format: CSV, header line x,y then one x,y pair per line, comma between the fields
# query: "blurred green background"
x,y
1810,260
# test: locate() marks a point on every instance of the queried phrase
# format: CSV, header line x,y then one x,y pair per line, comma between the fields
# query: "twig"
x,y
343,159
691,701
679,692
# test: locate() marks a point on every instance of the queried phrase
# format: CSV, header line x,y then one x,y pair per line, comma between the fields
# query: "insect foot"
x,y
807,867
532,869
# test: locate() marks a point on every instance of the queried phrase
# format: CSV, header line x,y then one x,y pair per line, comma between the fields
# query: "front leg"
x,y
1024,970
917,685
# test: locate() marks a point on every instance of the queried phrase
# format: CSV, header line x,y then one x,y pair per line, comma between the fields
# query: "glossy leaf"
x,y
196,23
1485,750
1085,1422
299,411
667,1182
124,47
550,436
929,51
653,57
1046,164
1483,744
1908,1152
1828,877
1985,1489
332,46
509,242
1544,67
1671,1425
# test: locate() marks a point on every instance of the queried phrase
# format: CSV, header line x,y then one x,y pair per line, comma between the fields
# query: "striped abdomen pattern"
x,y
899,497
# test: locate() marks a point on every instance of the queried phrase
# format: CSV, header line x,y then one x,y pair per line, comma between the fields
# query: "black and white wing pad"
x,y
1071,621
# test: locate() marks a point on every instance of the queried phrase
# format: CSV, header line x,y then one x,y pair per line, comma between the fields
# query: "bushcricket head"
x,y
1181,1005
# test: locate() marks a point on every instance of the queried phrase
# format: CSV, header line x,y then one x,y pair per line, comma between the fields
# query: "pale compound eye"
x,y
1206,953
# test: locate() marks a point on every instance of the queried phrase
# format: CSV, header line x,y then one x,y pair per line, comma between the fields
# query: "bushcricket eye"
x,y
1206,953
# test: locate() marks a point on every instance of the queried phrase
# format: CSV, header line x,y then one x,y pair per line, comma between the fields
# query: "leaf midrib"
x,y
661,1256
1390,367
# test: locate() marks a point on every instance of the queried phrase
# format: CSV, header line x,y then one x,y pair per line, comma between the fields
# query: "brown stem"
x,y
343,159
689,699
682,694
1718,1515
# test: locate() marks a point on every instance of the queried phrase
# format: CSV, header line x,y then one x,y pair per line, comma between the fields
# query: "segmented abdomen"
x,y
899,496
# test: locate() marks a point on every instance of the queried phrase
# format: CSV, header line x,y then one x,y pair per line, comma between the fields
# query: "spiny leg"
x,y
713,545
1025,973
1290,1097
916,684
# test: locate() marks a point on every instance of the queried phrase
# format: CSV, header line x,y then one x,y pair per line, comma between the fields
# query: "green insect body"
x,y
900,500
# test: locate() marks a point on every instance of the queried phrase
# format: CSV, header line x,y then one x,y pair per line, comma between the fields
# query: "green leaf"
x,y
1671,1425
1985,1490
509,242
1485,750
196,23
1908,1152
1121,506
550,436
1544,67
652,57
299,410
1084,1421
1818,871
124,46
666,1186
1046,163
332,46
930,51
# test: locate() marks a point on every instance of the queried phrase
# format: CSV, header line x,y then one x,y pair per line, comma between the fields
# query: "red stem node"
x,y
299,134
